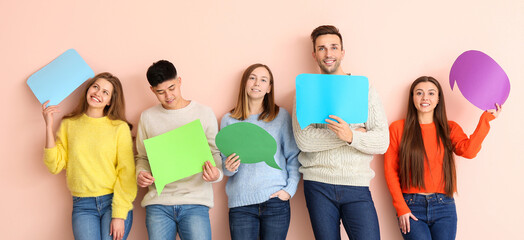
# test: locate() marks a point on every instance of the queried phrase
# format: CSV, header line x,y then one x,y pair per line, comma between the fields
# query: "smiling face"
x,y
329,54
99,94
168,93
258,83
425,98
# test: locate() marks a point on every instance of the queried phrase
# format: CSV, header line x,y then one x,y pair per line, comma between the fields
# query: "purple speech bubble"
x,y
480,79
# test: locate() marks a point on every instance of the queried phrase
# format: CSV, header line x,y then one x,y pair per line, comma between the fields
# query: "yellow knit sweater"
x,y
97,154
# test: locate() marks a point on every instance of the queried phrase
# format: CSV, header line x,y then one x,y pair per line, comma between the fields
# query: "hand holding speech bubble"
x,y
250,142
178,154
321,95
480,79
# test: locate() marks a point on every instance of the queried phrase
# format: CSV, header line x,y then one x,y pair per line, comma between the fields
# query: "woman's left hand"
x,y
117,228
495,112
210,173
283,195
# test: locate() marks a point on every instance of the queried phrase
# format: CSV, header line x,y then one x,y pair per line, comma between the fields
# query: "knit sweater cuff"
x,y
119,213
291,189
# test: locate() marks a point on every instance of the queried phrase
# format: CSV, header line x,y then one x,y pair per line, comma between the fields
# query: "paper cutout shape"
x,y
480,79
321,95
178,154
250,142
59,78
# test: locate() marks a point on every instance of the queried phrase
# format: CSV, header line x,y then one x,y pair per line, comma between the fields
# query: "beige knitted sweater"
x,y
327,159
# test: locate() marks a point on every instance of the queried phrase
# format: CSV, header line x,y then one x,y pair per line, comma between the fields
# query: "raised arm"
x,y
469,147
55,155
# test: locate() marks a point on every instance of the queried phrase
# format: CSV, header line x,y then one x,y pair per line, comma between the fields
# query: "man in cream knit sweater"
x,y
336,156
183,206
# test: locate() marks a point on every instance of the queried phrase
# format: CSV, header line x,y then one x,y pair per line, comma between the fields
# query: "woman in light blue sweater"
x,y
258,195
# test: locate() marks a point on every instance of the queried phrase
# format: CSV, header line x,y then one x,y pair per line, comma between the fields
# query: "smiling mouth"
x,y
95,99
329,61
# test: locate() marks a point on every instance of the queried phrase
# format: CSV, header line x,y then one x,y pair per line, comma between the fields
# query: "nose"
x,y
329,52
257,82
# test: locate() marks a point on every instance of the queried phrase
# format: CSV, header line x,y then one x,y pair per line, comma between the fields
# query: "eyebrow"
x,y
98,85
334,44
420,89
160,90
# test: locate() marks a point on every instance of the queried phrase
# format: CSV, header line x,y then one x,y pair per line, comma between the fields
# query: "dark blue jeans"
x,y
268,220
328,204
437,217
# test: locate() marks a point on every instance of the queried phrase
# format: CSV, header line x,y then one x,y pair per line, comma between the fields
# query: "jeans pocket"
x,y
446,200
409,199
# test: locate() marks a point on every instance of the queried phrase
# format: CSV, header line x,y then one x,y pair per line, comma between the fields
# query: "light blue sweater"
x,y
253,183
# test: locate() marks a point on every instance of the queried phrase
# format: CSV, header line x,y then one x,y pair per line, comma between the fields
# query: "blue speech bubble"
x,y
59,78
321,95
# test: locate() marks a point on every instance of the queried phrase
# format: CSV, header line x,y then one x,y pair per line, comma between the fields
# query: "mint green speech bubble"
x,y
178,154
250,142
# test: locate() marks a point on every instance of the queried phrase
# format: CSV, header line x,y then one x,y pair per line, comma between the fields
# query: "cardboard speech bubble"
x,y
321,95
480,79
250,142
59,78
178,154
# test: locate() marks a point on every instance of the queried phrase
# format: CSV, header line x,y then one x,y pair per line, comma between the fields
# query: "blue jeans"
x,y
328,204
190,221
437,217
265,221
92,218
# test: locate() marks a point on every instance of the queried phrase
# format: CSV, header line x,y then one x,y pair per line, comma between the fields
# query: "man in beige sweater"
x,y
336,156
183,206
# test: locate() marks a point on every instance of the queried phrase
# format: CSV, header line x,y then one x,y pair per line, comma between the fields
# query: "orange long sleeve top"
x,y
433,177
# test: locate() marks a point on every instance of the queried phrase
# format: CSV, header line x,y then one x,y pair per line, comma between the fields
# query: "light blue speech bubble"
x,y
321,95
59,78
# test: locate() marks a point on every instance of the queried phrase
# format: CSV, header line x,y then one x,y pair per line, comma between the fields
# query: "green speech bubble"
x,y
250,142
178,154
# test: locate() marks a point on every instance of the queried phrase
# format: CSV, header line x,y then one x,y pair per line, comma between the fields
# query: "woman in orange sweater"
x,y
420,166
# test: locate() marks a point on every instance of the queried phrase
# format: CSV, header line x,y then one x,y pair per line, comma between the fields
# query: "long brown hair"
x,y
241,111
117,106
412,152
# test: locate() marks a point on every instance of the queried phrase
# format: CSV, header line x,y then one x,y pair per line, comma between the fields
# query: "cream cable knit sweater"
x,y
327,159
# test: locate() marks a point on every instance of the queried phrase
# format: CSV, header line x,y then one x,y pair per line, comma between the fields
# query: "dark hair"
x,y
241,111
117,105
160,72
412,152
324,30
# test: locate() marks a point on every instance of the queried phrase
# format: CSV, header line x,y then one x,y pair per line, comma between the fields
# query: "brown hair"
x,y
324,30
412,152
116,108
241,111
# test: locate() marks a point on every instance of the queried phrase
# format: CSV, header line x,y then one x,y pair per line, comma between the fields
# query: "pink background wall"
x,y
212,42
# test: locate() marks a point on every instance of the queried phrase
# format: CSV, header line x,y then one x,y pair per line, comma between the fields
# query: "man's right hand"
x,y
144,179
